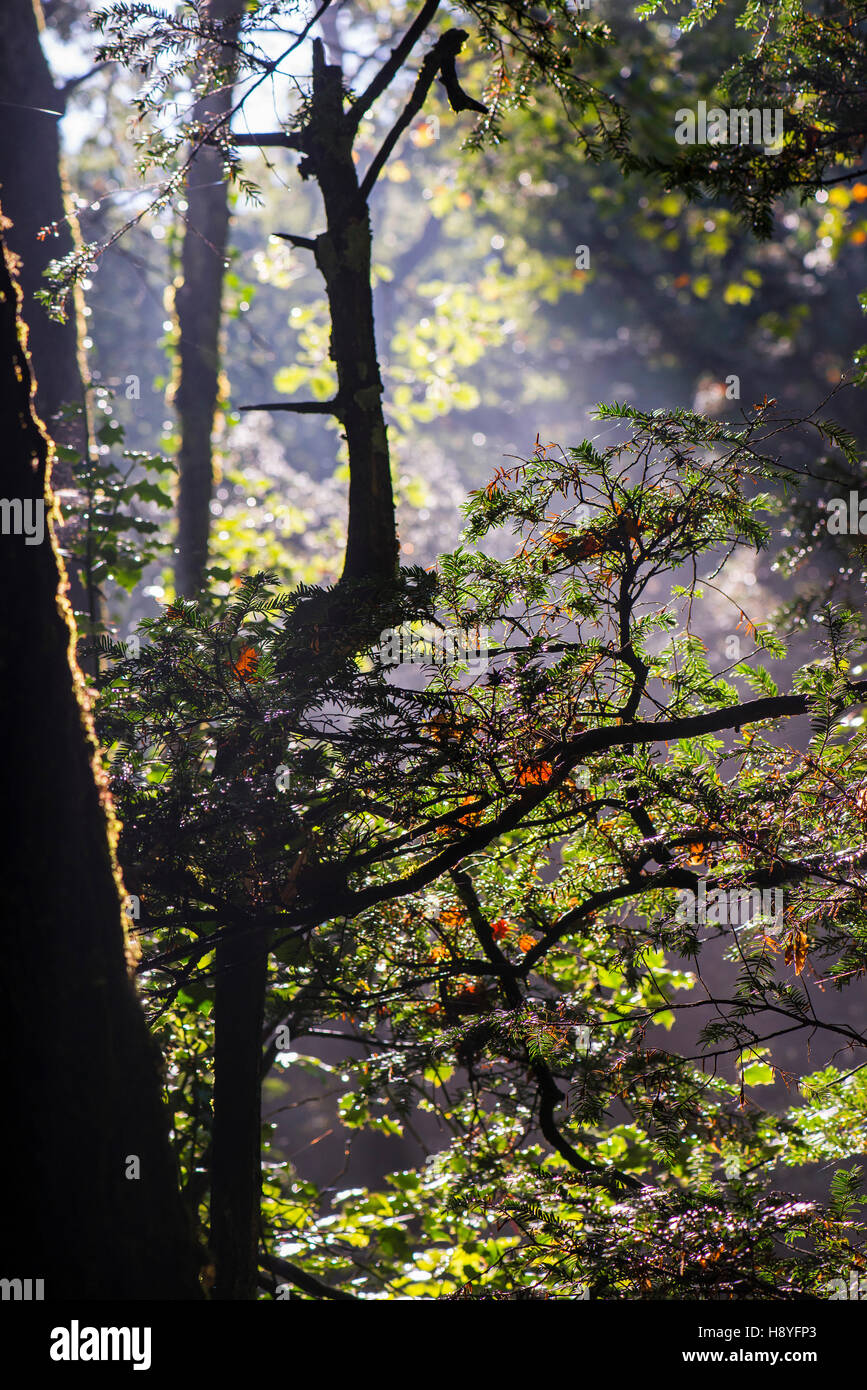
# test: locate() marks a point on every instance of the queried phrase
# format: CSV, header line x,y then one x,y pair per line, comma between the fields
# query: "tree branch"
x,y
300,407
308,1282
64,92
550,1094
446,48
305,243
392,64
285,139
567,754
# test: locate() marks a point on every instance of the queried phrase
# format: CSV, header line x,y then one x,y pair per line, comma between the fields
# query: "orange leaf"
x,y
797,945
440,728
534,774
526,942
472,817
247,664
591,544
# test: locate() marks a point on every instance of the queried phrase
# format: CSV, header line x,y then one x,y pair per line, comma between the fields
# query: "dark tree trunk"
x,y
82,1096
236,1163
34,195
198,305
343,254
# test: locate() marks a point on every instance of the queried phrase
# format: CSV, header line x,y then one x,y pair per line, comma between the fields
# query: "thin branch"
x,y
447,46
64,92
392,65
568,754
285,139
307,1282
300,407
305,243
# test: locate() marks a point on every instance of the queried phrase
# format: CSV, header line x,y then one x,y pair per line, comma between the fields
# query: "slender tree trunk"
x,y
236,1160
343,254
198,305
88,1181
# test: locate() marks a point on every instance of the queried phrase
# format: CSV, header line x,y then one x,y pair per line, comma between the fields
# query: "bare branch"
x,y
308,1282
64,92
305,243
443,52
392,65
300,407
285,139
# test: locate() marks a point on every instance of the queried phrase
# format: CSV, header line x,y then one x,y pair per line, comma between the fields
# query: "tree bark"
x,y
343,255
198,305
34,193
89,1184
236,1157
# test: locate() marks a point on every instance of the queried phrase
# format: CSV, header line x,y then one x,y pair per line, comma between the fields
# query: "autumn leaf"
x,y
500,928
440,728
472,817
526,942
591,544
534,774
559,540
797,945
452,917
575,547
247,664
696,853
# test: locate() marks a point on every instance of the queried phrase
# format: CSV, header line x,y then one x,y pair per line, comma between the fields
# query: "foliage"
x,y
116,534
801,62
473,879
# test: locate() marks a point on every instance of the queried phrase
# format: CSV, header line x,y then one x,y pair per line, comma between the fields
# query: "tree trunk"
x,y
343,254
198,305
89,1184
236,1157
34,194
